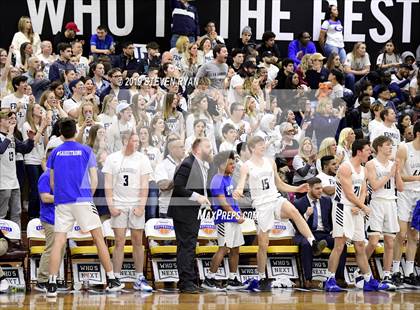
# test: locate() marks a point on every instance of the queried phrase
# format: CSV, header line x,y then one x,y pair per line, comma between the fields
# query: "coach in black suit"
x,y
189,194
316,209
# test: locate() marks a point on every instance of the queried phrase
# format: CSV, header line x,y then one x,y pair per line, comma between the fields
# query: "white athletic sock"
x,y
110,275
367,276
409,267
52,278
211,275
139,275
232,275
117,275
261,275
330,274
387,274
395,266
310,240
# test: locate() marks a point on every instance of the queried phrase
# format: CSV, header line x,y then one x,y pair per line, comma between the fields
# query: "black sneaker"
x,y
114,285
318,247
52,290
388,281
235,284
41,287
264,285
211,285
62,286
397,279
411,281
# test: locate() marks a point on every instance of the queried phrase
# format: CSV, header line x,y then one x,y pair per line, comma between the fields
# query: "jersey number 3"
x,y
125,180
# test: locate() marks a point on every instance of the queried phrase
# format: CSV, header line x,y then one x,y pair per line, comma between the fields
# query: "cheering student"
x,y
227,218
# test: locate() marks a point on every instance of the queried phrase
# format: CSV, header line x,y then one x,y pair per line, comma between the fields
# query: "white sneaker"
x,y
4,286
359,280
142,285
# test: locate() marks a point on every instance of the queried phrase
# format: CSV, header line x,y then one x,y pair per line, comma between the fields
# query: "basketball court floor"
x,y
277,299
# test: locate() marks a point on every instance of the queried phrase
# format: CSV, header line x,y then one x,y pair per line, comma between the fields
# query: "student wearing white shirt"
x,y
376,109
87,118
36,121
388,129
108,115
71,106
327,175
237,111
123,124
155,157
199,132
230,136
17,102
357,64
26,34
165,171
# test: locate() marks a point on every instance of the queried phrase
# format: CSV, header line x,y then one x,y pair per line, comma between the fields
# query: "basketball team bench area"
x,y
86,277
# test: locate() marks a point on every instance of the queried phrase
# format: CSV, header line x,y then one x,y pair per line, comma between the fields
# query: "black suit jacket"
x,y
188,178
303,203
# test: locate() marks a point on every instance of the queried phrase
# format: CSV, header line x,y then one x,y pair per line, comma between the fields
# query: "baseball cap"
x,y
74,83
72,26
267,54
317,56
121,106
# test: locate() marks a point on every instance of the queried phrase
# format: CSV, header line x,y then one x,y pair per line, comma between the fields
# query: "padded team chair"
x,y
14,256
207,232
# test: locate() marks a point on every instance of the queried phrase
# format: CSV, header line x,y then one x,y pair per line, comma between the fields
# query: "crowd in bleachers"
x,y
309,104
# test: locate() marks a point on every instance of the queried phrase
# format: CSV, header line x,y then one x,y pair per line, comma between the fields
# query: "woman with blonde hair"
x,y
252,114
108,114
304,163
305,65
190,63
252,88
328,147
52,105
357,64
178,51
88,117
345,141
26,34
36,121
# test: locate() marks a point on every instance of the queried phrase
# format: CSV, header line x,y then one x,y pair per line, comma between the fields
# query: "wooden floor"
x,y
278,299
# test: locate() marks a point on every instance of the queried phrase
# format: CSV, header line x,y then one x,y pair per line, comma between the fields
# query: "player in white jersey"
x,y
264,184
384,177
126,188
348,216
388,129
409,156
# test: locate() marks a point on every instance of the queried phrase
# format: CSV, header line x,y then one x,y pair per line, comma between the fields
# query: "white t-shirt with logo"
x,y
334,31
11,101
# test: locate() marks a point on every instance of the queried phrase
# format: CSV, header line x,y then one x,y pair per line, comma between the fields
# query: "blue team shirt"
x,y
102,44
47,211
222,185
71,162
